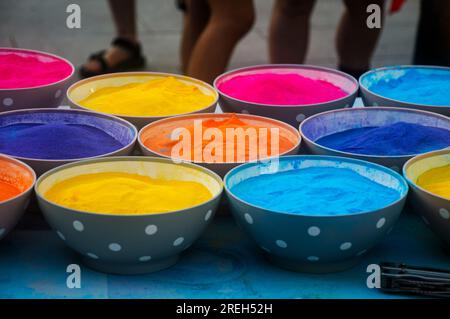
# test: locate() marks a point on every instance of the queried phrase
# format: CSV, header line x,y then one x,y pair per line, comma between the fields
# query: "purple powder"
x,y
390,140
56,141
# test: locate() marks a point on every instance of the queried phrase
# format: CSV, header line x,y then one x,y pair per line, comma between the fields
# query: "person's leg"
x,y
230,20
124,16
289,30
355,41
195,19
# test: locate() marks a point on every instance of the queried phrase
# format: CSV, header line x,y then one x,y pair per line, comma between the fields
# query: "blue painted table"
x,y
223,264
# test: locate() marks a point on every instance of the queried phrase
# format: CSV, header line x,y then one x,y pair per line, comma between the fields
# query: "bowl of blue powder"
x,y
47,138
417,87
383,135
315,213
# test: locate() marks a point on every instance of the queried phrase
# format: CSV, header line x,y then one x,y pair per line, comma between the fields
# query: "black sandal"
x,y
135,61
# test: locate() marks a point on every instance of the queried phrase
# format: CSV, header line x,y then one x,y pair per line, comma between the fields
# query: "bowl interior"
x,y
84,88
375,173
124,134
13,173
158,136
338,79
333,122
162,169
419,166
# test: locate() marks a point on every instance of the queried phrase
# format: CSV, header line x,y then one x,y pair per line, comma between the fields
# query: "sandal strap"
x,y
99,56
133,48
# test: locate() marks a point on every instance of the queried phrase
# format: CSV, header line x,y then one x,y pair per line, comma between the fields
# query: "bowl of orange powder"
x,y
16,184
219,141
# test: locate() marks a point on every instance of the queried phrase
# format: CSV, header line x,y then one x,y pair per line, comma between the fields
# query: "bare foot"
x,y
113,56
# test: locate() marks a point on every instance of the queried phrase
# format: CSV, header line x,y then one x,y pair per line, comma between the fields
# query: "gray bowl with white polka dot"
x,y
291,114
130,244
48,95
315,243
434,209
335,121
371,98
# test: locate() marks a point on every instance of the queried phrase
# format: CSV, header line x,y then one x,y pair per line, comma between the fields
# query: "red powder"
x,y
280,89
27,69
7,191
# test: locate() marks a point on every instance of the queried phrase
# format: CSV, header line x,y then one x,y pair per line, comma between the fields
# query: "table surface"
x,y
224,263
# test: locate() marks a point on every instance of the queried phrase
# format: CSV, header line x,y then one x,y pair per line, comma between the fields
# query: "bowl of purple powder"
x,y
383,135
47,138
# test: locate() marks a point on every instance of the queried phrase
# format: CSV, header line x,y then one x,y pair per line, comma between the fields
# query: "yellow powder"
x,y
126,194
436,181
158,97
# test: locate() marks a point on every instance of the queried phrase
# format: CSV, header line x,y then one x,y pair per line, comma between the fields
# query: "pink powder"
x,y
19,69
280,89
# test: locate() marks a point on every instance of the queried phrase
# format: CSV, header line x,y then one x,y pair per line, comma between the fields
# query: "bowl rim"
x,y
287,66
85,112
369,109
127,159
41,53
393,173
281,124
418,158
142,73
25,166
402,66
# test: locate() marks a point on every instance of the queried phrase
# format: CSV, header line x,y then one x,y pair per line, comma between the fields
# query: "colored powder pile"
x,y
124,193
25,70
280,89
55,141
7,190
322,191
416,87
261,146
395,139
436,181
159,97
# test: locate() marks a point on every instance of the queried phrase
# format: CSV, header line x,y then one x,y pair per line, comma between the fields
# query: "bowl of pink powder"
x,y
32,79
286,92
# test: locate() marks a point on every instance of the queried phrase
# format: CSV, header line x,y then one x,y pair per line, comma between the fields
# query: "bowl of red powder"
x,y
16,183
384,135
219,141
32,79
47,138
286,92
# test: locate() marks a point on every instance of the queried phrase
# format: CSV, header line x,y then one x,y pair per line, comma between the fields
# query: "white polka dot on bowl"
x,y
8,101
281,243
115,247
178,241
300,117
313,231
60,235
145,258
208,215
78,226
313,258
58,94
245,112
345,246
444,213
248,218
151,229
93,256
381,222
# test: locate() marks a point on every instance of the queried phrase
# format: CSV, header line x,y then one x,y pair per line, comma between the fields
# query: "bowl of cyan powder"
x,y
315,213
383,135
428,176
410,86
32,79
16,185
129,215
286,92
143,97
47,138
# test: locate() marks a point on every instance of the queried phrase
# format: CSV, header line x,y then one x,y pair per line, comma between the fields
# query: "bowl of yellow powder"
x,y
129,215
429,178
143,97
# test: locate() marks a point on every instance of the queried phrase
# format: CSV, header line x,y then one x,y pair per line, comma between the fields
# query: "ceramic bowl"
x,y
291,114
434,209
163,129
23,177
119,128
315,243
82,89
336,121
130,244
370,98
48,95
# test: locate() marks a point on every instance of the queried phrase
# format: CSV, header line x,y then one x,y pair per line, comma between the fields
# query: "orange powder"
x,y
14,179
259,140
7,191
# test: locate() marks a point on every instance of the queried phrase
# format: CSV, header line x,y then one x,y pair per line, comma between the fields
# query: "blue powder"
x,y
55,141
322,191
415,86
396,139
